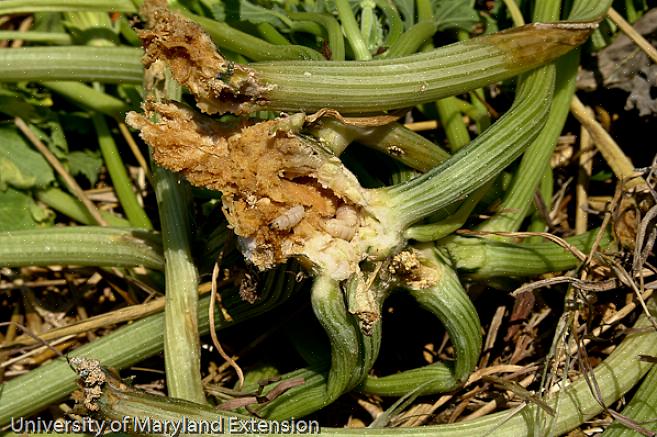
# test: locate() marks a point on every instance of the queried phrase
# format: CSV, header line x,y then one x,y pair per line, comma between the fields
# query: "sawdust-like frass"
x,y
283,194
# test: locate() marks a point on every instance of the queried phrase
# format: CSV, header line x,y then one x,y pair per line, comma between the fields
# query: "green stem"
x,y
642,408
393,139
182,348
311,27
483,258
333,31
271,35
514,11
395,24
404,145
482,160
352,356
455,221
407,81
397,83
82,246
424,10
351,31
412,40
45,37
120,179
71,207
32,6
448,301
448,111
88,97
329,307
72,63
538,223
518,198
452,121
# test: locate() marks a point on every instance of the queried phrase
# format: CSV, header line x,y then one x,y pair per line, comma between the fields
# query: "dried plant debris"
x,y
283,194
407,267
92,378
623,65
218,85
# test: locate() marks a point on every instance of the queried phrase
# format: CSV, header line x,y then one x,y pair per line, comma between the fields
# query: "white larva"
x,y
347,214
344,224
288,219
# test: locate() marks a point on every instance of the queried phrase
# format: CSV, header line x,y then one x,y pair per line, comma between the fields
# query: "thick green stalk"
x,y
72,63
518,199
402,82
479,162
642,408
345,86
82,246
615,376
71,207
331,312
89,97
120,179
182,345
32,6
125,347
482,258
45,37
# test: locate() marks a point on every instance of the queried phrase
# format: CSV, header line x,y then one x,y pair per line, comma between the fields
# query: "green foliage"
x,y
243,10
86,163
19,211
455,14
20,165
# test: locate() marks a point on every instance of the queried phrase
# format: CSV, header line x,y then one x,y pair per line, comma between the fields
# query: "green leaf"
x,y
52,134
243,10
87,163
19,211
455,14
20,165
18,100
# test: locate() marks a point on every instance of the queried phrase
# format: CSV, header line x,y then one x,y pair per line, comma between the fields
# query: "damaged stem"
x,y
221,86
